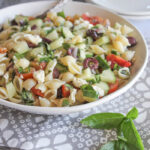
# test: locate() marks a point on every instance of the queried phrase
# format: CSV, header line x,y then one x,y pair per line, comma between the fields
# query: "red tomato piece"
x,y
25,76
65,91
3,50
113,87
37,92
96,20
93,19
85,17
119,60
43,65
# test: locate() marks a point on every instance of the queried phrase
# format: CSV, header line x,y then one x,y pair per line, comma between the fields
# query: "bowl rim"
x,y
77,108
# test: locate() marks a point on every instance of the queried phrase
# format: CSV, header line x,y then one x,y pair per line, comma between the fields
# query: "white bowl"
x,y
72,8
126,7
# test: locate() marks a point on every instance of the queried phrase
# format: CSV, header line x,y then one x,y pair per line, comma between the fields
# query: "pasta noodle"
x,y
3,93
18,84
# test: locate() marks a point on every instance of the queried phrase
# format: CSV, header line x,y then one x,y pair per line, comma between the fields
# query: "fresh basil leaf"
x,y
20,70
92,81
24,28
114,52
49,31
19,56
45,59
27,97
97,77
104,120
65,102
122,138
109,146
88,91
116,67
61,13
102,62
61,68
129,131
66,46
132,114
121,145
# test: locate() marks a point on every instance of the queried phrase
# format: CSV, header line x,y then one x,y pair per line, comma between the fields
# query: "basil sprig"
x,y
128,136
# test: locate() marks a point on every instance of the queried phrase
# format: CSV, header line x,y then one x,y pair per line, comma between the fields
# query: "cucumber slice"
x,y
53,35
102,40
39,50
104,86
102,62
57,43
37,22
21,47
108,76
66,33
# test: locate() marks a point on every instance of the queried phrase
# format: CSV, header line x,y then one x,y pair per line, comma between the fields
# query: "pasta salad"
x,y
55,60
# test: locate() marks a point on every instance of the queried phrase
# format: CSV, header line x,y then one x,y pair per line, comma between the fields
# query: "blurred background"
x,y
5,3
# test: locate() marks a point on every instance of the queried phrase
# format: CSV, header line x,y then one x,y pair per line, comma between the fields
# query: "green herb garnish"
x,y
20,70
27,97
61,13
45,59
114,52
88,91
116,67
66,46
65,102
128,136
19,56
102,62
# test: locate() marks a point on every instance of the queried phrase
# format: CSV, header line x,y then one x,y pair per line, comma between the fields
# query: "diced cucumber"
x,y
53,35
39,50
37,22
102,62
108,76
57,43
102,40
11,90
66,32
21,47
104,86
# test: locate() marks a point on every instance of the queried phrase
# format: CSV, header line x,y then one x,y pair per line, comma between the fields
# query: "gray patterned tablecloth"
x,y
37,132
